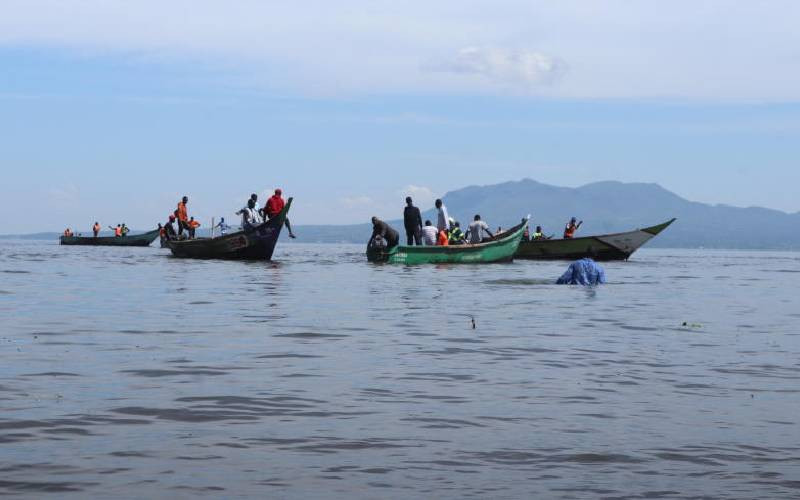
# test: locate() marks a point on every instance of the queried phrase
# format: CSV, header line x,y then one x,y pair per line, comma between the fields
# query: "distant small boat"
x,y
498,250
617,246
136,240
256,243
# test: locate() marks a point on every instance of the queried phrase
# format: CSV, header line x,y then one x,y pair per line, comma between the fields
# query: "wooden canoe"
x,y
256,243
137,240
617,246
498,250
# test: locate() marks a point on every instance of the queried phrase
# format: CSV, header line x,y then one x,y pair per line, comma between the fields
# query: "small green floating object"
x,y
691,325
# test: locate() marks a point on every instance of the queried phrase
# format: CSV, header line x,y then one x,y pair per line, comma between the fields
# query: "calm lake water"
x,y
128,373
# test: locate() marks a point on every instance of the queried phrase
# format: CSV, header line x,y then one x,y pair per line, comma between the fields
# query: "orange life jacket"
x,y
96,228
182,215
569,231
117,231
194,224
443,240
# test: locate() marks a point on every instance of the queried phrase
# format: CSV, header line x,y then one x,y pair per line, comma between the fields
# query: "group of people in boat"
x,y
119,231
447,231
252,216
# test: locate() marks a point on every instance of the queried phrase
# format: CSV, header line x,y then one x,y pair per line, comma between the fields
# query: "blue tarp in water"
x,y
583,272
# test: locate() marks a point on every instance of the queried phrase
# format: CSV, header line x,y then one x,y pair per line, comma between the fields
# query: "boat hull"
x,y
618,246
500,250
138,240
257,243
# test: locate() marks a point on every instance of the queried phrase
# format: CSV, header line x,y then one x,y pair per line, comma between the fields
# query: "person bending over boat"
x,y
169,229
474,230
443,221
382,231
412,220
250,216
274,206
96,229
429,234
584,271
570,228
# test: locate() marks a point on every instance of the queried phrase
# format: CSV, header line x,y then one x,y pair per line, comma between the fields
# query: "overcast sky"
x,y
112,110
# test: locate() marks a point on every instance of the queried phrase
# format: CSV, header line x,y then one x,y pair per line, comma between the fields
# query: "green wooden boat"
x,y
498,250
617,246
136,240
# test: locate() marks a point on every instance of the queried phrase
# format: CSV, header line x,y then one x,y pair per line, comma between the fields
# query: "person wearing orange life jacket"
x,y
96,229
182,215
570,228
68,232
192,225
117,230
442,240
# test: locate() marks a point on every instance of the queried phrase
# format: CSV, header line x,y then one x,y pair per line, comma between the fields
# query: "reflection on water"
x,y
128,373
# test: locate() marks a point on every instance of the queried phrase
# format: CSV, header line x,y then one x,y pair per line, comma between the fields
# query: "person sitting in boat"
x,y
96,229
456,236
274,206
386,233
570,228
584,271
441,239
124,230
250,216
499,231
193,225
169,229
68,232
474,230
526,235
429,234
538,234
223,228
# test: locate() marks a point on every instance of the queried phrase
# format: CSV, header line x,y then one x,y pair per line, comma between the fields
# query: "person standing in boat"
x,y
274,206
68,232
538,234
117,230
383,231
412,220
570,228
474,231
223,228
124,230
182,215
443,221
429,234
584,271
96,229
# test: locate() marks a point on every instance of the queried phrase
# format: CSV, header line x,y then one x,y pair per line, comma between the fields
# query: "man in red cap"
x,y
274,206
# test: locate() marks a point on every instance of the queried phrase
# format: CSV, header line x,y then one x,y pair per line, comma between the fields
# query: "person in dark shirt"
x,y
382,229
412,220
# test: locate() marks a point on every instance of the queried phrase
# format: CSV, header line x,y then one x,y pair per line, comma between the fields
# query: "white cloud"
x,y
422,196
518,67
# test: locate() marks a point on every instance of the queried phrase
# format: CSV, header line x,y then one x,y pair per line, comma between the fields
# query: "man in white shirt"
x,y
443,223
475,228
429,234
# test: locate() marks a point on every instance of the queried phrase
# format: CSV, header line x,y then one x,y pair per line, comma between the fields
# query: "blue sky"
x,y
113,110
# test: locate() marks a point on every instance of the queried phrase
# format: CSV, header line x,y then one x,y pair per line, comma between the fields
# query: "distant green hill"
x,y
604,207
